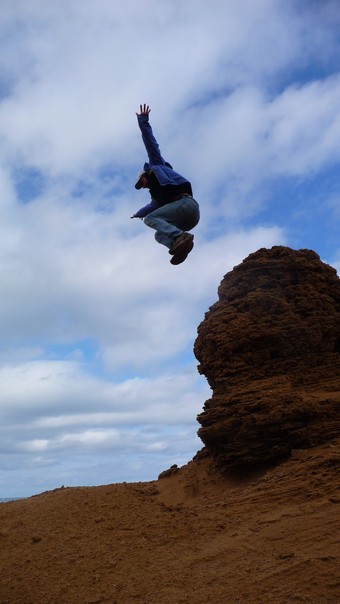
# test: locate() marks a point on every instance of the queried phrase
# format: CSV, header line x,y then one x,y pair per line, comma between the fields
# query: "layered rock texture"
x,y
270,350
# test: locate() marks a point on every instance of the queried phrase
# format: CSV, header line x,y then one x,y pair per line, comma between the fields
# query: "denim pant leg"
x,y
171,220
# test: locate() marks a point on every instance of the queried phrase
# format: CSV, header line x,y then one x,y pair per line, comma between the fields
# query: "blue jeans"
x,y
173,219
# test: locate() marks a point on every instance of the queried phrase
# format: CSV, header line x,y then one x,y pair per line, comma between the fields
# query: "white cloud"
x,y
55,394
55,410
305,128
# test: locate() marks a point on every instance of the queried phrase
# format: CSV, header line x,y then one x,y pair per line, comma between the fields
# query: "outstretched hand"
x,y
144,110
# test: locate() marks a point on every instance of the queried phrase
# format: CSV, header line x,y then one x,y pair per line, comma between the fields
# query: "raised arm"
x,y
150,143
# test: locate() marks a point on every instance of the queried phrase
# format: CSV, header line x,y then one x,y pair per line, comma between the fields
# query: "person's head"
x,y
142,180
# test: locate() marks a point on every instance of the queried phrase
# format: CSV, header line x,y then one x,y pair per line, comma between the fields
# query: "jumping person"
x,y
172,211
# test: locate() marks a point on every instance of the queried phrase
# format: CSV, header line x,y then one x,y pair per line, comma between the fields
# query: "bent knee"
x,y
148,220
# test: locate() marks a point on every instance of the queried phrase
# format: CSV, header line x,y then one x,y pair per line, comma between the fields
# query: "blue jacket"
x,y
156,165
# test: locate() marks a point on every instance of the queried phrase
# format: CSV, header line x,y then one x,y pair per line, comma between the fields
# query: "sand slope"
x,y
193,537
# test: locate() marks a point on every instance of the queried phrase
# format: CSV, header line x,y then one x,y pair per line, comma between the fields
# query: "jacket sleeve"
x,y
150,207
150,143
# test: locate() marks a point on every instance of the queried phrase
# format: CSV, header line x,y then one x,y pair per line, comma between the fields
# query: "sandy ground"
x,y
192,537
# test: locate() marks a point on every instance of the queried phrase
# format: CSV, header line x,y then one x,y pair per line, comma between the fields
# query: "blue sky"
x,y
98,379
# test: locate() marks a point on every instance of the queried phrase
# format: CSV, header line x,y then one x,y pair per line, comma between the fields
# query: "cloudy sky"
x,y
98,379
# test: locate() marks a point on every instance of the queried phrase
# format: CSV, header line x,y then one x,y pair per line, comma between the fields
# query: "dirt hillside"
x,y
195,537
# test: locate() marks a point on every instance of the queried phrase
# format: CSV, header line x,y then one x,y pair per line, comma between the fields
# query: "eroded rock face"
x,y
270,350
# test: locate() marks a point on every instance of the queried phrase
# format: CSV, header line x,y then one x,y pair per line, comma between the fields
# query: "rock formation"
x,y
270,350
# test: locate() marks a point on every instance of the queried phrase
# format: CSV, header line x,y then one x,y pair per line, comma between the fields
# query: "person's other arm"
x,y
150,207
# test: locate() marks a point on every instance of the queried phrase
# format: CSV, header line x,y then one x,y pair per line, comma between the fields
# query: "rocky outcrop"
x,y
270,350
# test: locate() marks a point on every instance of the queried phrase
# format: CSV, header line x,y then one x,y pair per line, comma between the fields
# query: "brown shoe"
x,y
180,240
181,248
